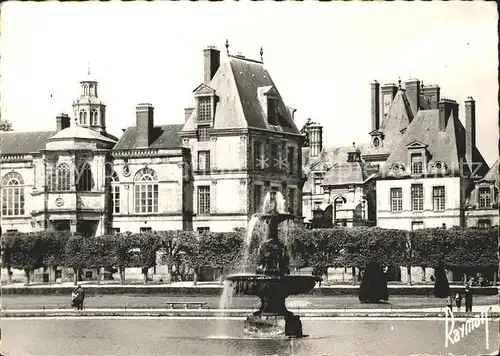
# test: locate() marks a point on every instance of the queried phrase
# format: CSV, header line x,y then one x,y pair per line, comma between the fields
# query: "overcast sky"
x,y
321,56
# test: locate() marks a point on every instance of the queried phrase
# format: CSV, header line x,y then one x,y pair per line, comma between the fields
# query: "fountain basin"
x,y
258,284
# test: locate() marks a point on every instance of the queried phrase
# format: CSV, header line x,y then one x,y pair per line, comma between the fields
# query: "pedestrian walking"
x,y
78,296
468,298
458,300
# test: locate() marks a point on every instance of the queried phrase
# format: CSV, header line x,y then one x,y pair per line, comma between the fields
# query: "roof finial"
x,y
227,46
422,85
261,54
88,68
399,82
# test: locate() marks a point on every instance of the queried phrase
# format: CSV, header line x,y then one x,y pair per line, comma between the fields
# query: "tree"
x,y
441,286
145,246
5,125
55,243
373,288
26,251
76,255
121,251
7,250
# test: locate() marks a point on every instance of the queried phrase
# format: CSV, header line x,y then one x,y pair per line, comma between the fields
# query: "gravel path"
x,y
238,302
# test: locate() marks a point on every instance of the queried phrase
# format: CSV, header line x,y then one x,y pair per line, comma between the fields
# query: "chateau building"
x,y
209,172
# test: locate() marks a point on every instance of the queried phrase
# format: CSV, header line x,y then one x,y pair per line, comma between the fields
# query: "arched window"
x,y
376,142
84,180
63,177
85,118
338,204
81,118
86,89
94,120
115,193
12,195
146,191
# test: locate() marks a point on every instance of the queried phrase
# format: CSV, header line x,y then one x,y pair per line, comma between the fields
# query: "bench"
x,y
170,305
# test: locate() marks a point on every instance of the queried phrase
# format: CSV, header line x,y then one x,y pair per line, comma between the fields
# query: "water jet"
x,y
272,282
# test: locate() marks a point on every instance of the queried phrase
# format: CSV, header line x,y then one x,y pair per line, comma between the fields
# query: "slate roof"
x,y
344,173
24,142
331,157
79,132
237,83
165,136
493,174
447,146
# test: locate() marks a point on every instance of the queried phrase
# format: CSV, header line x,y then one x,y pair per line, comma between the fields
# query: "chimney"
x,y
470,129
187,113
211,60
315,139
433,92
62,122
413,94
144,124
375,105
389,91
446,107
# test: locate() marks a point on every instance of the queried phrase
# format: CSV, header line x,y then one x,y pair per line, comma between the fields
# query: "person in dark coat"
x,y
79,297
468,298
458,300
449,302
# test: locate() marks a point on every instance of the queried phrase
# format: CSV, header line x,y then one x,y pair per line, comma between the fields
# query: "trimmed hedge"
x,y
185,252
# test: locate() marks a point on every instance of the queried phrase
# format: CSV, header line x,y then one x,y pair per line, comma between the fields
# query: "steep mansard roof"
x,y
240,85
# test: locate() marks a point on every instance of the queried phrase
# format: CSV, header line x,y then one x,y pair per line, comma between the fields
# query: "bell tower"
x,y
89,110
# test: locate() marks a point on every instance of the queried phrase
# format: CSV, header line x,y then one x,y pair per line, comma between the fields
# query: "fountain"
x,y
272,282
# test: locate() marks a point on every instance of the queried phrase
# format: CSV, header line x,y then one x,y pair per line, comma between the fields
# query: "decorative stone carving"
x,y
213,138
126,170
73,221
243,181
59,202
214,182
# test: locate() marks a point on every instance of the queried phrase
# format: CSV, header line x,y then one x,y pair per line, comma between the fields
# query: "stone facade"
x,y
211,172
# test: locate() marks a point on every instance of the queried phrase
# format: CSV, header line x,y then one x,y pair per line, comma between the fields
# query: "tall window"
x,y
257,155
83,179
204,109
257,195
291,200
417,197
438,194
204,161
81,118
146,191
338,203
290,158
94,120
396,199
12,195
203,132
271,111
63,177
115,193
416,164
204,200
318,180
274,155
484,197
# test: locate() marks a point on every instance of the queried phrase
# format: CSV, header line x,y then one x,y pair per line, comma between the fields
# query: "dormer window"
x,y
484,198
205,109
272,111
376,142
416,163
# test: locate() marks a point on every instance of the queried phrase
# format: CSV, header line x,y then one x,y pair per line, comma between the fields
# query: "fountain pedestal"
x,y
265,326
272,283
